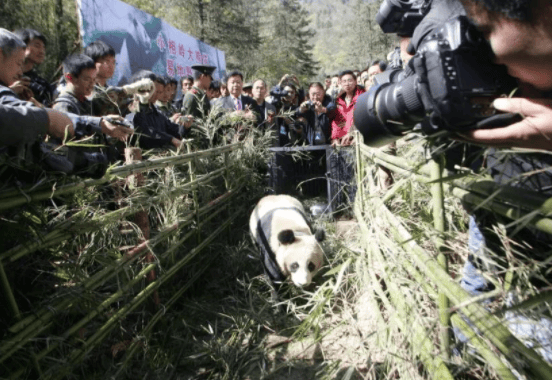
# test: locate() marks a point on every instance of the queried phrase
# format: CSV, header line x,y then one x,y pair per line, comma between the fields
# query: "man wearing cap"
x,y
196,102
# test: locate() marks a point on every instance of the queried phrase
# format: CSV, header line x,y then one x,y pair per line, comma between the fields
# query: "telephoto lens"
x,y
450,84
387,111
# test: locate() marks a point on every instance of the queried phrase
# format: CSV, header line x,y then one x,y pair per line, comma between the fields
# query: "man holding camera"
x,y
315,111
266,111
54,123
520,34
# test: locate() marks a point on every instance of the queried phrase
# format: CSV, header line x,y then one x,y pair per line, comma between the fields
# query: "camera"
x,y
401,16
277,93
449,84
310,105
72,160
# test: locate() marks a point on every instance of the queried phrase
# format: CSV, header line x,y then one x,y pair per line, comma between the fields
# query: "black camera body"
x,y
72,160
277,94
449,84
310,105
401,16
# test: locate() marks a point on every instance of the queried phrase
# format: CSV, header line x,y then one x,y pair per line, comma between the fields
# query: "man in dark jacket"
x,y
79,71
315,111
12,57
35,54
152,128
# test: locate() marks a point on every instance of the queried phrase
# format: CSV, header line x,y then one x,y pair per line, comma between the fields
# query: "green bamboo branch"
x,y
121,171
33,324
483,349
78,354
420,338
489,325
436,166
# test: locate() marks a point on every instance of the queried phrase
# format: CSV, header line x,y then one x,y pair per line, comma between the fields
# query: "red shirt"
x,y
344,113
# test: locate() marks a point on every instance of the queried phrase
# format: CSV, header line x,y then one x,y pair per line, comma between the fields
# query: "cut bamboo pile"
x,y
407,308
202,192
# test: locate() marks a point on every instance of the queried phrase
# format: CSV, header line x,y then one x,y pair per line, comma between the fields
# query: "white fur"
x,y
304,250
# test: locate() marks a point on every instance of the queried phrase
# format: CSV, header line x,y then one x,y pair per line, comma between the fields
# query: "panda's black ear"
x,y
320,235
286,237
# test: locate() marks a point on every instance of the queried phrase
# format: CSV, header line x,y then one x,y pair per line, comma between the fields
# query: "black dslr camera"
x,y
449,84
277,93
72,160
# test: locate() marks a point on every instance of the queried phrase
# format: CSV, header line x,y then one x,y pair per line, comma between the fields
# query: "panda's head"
x,y
303,255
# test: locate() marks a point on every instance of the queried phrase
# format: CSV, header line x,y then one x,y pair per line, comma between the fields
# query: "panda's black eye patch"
x,y
293,267
311,267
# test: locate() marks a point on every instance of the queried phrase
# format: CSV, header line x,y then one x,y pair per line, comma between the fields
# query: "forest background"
x,y
262,38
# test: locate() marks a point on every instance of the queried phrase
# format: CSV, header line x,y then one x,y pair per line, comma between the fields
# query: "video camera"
x,y
449,84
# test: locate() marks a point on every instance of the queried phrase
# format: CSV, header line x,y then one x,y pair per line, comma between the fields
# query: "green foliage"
x,y
57,20
347,35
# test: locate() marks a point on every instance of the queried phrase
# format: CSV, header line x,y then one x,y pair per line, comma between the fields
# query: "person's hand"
x,y
176,142
348,140
21,88
304,107
113,130
175,118
534,131
36,102
319,108
249,115
59,124
186,121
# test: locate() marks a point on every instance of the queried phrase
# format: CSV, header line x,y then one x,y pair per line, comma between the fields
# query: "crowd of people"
x,y
145,113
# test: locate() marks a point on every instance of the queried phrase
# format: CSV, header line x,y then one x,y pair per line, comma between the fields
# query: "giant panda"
x,y
287,245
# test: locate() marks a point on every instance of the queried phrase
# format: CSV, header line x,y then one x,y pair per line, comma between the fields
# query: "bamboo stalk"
x,y
160,313
529,200
420,340
485,322
438,199
23,339
9,293
121,171
191,170
397,161
61,233
482,348
512,212
398,169
78,354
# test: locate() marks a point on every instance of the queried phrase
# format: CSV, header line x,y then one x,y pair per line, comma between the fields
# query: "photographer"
x,y
153,129
520,34
35,54
315,111
266,111
11,62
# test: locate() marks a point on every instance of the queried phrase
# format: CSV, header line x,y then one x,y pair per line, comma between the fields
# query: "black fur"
x,y
286,237
320,235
